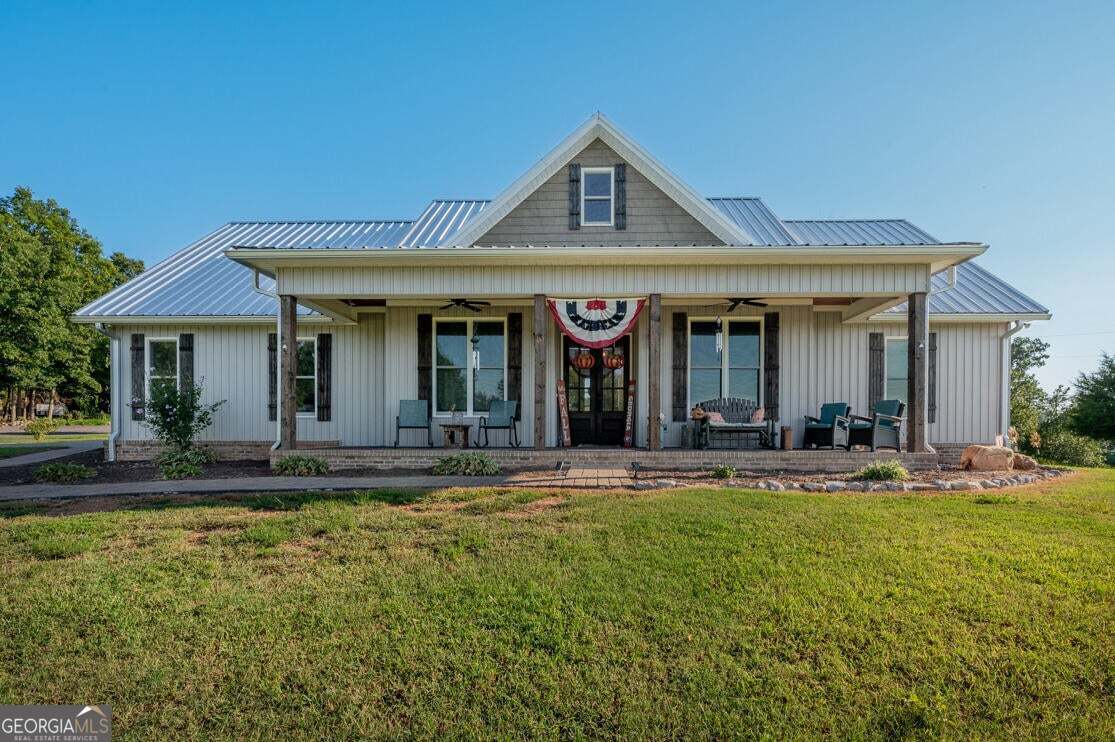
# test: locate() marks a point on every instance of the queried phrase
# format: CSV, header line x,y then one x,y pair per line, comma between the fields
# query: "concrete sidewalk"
x,y
69,448
246,484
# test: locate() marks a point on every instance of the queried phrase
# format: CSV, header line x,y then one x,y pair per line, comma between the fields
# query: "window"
x,y
597,192
162,363
305,380
470,358
897,367
733,371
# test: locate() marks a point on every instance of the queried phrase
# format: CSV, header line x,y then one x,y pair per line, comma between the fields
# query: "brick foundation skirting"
x,y
223,450
668,459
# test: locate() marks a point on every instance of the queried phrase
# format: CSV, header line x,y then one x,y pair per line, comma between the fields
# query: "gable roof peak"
x,y
598,126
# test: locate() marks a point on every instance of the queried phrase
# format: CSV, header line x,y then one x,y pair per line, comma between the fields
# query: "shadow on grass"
x,y
260,501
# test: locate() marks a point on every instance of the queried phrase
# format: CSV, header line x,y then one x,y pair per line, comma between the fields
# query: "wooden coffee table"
x,y
455,434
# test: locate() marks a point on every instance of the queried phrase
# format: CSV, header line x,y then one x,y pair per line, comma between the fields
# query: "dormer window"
x,y
597,196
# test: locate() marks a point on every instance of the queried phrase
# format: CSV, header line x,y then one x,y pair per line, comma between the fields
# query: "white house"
x,y
697,298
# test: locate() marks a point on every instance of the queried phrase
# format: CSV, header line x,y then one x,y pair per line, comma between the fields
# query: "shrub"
x,y
1071,449
179,464
724,471
40,429
62,473
301,466
883,471
176,417
467,465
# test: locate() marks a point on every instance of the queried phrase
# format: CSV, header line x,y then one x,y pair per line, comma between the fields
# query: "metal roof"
x,y
849,232
977,291
200,281
753,216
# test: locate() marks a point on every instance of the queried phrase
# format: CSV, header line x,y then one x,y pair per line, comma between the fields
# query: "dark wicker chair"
x,y
830,429
882,430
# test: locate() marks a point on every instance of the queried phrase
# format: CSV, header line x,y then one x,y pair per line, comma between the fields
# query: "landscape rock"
x,y
961,484
854,486
1022,462
811,486
894,486
835,487
988,484
921,486
986,458
940,484
665,483
643,485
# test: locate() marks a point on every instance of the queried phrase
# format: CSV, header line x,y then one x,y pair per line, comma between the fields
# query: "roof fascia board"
x,y
962,317
269,260
600,127
189,319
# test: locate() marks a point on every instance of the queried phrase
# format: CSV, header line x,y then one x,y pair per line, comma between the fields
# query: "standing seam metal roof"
x,y
201,281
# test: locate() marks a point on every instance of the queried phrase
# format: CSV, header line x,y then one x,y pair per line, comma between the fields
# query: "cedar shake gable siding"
x,y
653,218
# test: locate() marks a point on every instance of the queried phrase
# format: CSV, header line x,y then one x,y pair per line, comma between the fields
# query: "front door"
x,y
597,392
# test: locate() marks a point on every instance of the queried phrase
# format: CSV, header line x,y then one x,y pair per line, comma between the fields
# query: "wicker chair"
x,y
737,425
882,430
830,429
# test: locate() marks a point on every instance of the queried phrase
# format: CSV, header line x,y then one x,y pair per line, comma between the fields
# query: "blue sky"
x,y
989,122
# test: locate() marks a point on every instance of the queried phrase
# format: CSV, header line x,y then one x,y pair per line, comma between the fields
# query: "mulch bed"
x,y
744,478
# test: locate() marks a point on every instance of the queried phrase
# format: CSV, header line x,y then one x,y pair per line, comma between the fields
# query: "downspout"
x,y
1004,384
113,395
278,353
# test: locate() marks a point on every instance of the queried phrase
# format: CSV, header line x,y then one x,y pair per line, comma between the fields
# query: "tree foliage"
x,y
1027,399
50,267
1093,409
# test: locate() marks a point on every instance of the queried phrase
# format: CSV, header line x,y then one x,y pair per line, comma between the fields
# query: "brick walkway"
x,y
575,477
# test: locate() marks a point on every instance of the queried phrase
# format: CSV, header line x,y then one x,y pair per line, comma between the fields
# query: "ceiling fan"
x,y
735,302
470,304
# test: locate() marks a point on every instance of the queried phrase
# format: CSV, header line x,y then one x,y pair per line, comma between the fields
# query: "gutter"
x,y
113,393
1004,385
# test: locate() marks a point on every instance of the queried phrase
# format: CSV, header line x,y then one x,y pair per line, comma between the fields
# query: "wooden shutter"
x,y
272,376
876,367
185,360
680,386
139,394
932,415
771,364
621,196
324,376
425,357
574,196
515,361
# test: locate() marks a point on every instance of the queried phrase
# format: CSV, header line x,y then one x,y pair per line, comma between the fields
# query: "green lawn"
x,y
7,452
8,439
684,613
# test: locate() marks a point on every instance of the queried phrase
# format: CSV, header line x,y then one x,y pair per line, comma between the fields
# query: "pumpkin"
x,y
584,360
613,360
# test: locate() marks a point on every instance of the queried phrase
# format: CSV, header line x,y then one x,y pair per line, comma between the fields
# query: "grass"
x,y
7,439
474,613
7,452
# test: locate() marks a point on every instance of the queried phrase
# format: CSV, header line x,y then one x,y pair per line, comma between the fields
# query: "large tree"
x,y
1093,409
49,267
1027,399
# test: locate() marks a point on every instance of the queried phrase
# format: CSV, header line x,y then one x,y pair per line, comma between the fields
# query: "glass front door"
x,y
596,388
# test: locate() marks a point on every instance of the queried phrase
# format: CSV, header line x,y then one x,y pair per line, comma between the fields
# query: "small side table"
x,y
455,434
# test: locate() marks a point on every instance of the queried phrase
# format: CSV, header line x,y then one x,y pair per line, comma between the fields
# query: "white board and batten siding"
x,y
605,280
231,361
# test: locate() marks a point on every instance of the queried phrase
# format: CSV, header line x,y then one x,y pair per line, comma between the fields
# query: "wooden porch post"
x,y
539,371
288,416
654,371
918,367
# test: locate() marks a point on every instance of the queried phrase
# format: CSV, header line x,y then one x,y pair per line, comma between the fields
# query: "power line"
x,y
1078,334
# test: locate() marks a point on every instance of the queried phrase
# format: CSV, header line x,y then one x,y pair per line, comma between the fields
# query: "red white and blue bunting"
x,y
595,323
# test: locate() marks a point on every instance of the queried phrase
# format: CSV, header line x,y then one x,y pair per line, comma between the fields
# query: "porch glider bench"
x,y
736,427
882,430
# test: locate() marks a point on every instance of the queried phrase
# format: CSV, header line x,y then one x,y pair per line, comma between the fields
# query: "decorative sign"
x,y
595,323
563,414
629,425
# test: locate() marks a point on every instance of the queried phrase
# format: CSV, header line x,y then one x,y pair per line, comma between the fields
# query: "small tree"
x,y
1093,409
177,416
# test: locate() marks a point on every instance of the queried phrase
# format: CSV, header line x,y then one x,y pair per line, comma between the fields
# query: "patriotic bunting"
x,y
595,323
